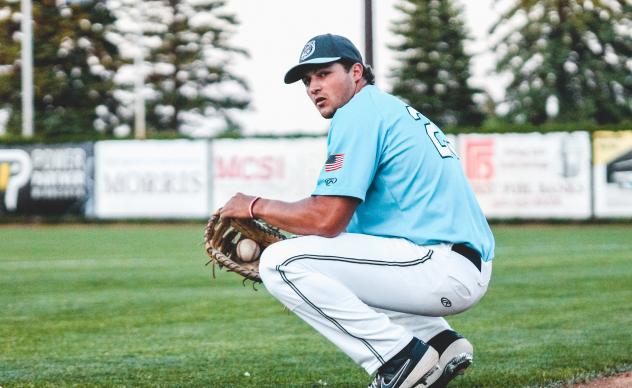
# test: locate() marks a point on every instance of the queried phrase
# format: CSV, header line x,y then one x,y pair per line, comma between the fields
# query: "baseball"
x,y
248,250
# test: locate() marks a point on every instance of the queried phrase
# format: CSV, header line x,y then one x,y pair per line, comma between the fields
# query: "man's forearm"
x,y
309,216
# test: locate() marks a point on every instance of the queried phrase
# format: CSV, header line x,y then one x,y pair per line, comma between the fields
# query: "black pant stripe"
x,y
385,263
346,260
330,319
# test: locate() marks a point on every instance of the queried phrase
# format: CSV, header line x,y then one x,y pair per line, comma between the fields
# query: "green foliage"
x,y
574,52
73,65
433,67
191,76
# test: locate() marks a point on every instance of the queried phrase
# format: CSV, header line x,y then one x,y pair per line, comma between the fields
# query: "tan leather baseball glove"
x,y
236,244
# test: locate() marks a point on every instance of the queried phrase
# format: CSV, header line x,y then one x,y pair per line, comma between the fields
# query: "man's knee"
x,y
274,260
271,259
268,262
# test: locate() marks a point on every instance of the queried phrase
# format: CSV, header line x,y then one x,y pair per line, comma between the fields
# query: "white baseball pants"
x,y
370,295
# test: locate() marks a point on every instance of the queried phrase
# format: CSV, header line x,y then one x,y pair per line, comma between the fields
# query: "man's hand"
x,y
237,206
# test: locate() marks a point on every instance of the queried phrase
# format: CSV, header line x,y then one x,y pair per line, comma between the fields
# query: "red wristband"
x,y
252,204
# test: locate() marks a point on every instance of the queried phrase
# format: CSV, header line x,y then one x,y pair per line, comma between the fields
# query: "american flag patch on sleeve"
x,y
334,162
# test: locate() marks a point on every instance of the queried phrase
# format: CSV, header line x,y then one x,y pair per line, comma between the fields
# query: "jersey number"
x,y
438,138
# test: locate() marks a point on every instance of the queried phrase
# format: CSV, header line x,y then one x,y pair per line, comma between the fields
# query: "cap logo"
x,y
308,50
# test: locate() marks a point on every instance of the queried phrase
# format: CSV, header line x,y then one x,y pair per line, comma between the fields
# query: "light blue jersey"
x,y
406,173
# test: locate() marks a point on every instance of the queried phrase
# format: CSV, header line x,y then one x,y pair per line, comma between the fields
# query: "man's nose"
x,y
314,87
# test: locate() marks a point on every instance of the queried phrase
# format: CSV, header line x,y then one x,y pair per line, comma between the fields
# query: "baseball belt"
x,y
469,253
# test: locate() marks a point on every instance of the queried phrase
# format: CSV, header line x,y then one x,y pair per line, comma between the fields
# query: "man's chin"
x,y
327,113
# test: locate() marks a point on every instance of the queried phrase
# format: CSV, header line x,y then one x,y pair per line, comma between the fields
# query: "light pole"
x,y
368,32
139,100
27,68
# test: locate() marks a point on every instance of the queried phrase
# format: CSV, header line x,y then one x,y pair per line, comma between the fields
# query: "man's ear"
x,y
357,70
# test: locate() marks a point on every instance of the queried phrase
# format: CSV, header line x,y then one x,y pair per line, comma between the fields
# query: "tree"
x,y
73,66
574,56
189,83
434,68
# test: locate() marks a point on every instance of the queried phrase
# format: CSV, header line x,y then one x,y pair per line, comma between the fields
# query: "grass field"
x,y
133,305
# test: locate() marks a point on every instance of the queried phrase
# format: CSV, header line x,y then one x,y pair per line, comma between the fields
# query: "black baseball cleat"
x,y
456,354
409,368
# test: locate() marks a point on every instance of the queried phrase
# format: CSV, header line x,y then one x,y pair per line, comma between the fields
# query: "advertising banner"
x,y
152,179
45,179
612,178
284,169
529,176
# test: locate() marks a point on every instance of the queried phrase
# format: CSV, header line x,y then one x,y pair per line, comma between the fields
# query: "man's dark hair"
x,y
367,74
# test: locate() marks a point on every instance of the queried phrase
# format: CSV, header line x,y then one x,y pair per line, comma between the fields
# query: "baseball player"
x,y
393,237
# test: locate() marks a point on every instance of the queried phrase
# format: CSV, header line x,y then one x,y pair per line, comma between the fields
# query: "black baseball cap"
x,y
323,49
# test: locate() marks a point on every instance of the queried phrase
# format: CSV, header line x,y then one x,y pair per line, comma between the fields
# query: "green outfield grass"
x,y
134,305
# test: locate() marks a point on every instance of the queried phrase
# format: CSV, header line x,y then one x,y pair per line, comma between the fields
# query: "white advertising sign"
x,y
530,176
613,173
152,179
284,169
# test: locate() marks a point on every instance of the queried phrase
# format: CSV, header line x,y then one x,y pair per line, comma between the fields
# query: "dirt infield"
x,y
623,380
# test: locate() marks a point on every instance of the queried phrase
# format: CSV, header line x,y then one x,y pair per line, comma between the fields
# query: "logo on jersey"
x,y
327,181
446,302
308,50
334,162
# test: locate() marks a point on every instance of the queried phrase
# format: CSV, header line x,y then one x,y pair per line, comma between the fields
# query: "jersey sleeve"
x,y
352,154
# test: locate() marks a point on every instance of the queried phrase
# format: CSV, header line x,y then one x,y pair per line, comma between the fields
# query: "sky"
x,y
275,31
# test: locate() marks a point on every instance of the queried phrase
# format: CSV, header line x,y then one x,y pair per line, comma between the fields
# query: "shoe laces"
x,y
377,381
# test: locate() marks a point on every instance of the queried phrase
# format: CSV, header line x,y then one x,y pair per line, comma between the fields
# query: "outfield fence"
x,y
534,176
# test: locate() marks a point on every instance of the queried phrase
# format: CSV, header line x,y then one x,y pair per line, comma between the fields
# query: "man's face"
x,y
331,86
